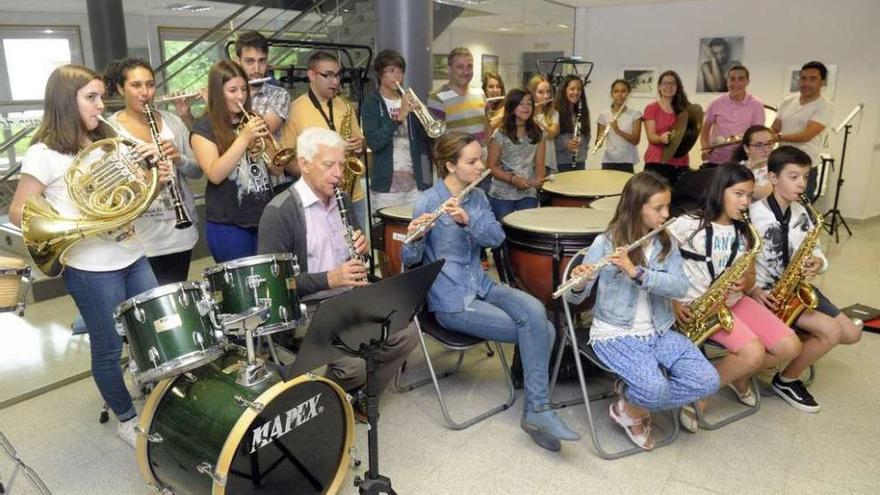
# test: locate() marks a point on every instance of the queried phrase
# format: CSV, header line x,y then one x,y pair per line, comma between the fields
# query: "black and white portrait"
x,y
717,55
642,80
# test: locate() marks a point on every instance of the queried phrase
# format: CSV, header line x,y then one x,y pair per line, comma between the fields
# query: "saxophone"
x,y
793,294
353,167
703,321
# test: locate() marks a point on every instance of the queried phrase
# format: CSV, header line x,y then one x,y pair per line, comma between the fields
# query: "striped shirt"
x,y
462,113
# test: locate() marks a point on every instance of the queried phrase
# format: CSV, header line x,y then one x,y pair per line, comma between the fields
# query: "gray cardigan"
x,y
188,168
283,230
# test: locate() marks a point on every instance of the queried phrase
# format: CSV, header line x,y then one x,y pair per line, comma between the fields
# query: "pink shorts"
x,y
752,320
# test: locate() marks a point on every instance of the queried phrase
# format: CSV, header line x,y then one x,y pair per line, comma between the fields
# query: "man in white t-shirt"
x,y
802,119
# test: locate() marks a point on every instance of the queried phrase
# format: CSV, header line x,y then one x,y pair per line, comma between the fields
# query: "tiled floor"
x,y
778,450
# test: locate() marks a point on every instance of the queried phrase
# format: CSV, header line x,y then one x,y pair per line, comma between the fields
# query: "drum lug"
x,y
198,340
190,377
153,354
275,268
162,490
151,437
207,469
139,314
282,312
119,328
256,406
227,276
183,297
295,267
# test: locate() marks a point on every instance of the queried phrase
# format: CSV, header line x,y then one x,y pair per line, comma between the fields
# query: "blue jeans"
x,y
97,294
638,362
503,207
230,242
511,315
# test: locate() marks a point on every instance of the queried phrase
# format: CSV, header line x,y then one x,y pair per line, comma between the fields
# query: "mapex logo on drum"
x,y
293,418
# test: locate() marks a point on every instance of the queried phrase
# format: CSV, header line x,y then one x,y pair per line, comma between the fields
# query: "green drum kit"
x,y
218,419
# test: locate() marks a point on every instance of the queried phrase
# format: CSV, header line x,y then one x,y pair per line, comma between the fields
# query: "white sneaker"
x,y
125,430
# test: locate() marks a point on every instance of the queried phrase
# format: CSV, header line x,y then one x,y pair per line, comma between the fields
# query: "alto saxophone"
x,y
704,321
792,292
354,167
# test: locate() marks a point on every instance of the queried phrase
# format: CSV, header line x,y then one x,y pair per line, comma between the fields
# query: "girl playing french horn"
x,y
633,318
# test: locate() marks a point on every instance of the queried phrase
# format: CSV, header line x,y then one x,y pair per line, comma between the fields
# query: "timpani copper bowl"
x,y
389,234
541,241
582,187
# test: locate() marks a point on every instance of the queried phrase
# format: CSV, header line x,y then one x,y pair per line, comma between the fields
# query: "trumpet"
x,y
600,141
423,227
264,148
433,128
177,95
594,268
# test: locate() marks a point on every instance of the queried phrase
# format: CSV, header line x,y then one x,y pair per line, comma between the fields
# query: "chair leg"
x,y
748,411
402,388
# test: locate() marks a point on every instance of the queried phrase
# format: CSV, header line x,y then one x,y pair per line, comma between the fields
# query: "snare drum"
x,y
581,187
541,239
203,432
395,220
170,330
12,273
606,204
241,284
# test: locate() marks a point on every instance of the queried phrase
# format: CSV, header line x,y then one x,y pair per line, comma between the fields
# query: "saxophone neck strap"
x,y
784,219
317,104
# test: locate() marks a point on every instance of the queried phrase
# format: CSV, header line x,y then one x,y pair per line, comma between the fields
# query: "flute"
x,y
594,268
423,227
259,81
175,96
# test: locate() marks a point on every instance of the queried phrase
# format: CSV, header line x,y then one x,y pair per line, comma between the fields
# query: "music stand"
x,y
357,323
836,217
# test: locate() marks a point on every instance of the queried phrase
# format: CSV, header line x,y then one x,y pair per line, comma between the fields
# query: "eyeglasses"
x,y
330,75
762,146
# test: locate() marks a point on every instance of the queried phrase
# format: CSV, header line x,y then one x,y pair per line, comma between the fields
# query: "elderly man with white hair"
x,y
305,220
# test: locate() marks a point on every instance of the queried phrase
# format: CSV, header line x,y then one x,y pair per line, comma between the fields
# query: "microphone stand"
x,y
834,213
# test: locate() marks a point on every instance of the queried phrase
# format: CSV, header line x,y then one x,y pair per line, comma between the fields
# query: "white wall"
x,y
777,33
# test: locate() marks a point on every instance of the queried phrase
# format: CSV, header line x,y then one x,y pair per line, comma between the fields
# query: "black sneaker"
x,y
795,393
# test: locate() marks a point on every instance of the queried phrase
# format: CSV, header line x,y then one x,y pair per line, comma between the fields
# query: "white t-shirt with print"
x,y
403,178
794,117
617,149
697,272
768,266
97,253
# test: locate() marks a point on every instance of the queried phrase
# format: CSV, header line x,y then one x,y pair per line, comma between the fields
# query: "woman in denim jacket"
x,y
464,299
633,314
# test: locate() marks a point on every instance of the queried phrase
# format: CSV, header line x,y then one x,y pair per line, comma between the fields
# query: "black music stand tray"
x,y
357,323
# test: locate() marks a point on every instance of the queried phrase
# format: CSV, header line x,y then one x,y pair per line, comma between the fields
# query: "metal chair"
x,y
426,324
744,410
668,426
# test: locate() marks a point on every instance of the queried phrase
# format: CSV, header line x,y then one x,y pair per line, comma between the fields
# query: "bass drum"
x,y
541,239
204,433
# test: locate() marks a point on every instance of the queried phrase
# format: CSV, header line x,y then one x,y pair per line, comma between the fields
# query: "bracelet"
x,y
640,274
510,178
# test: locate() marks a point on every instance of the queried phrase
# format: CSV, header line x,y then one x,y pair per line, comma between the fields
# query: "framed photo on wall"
x,y
439,66
488,63
716,55
642,80
793,74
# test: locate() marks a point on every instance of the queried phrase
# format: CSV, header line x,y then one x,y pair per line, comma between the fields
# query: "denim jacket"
x,y
616,302
462,278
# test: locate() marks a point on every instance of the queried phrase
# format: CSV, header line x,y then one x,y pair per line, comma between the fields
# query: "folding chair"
x,y
668,425
15,475
427,324
744,411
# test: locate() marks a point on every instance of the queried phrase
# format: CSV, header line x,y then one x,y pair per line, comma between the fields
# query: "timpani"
x,y
582,187
393,221
541,241
606,204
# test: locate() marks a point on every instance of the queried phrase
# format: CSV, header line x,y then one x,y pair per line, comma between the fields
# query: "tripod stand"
x,y
836,217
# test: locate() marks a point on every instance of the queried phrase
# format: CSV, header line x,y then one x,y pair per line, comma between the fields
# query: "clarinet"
x,y
439,211
349,230
577,129
183,221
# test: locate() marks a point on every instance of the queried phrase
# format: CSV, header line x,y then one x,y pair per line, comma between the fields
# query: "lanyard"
x,y
317,104
784,220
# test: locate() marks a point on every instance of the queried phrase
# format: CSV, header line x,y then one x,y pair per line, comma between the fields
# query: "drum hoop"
x,y
224,461
146,421
13,271
248,261
382,214
555,187
155,293
180,364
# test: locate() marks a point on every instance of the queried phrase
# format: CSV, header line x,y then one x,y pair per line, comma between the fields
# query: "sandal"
x,y
748,398
688,419
641,438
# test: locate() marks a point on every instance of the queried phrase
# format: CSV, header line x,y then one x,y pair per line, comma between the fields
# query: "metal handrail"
x,y
18,136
